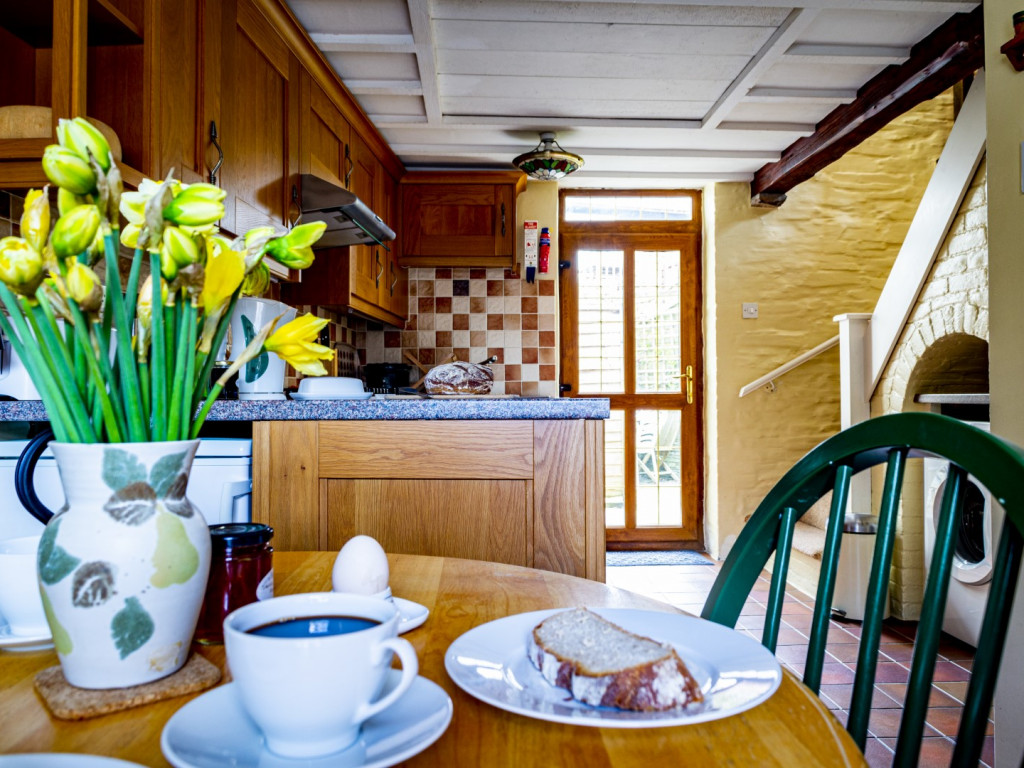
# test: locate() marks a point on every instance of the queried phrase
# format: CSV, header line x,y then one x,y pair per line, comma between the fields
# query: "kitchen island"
x,y
510,480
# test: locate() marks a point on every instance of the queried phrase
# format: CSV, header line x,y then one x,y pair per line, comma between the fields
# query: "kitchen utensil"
x,y
386,378
315,386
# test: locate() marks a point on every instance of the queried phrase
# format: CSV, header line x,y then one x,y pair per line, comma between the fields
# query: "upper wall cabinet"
x,y
459,219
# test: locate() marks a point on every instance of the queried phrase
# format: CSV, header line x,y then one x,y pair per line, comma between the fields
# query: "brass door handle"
x,y
689,384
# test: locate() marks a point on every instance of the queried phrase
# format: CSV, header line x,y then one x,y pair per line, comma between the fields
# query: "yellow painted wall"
x,y
826,251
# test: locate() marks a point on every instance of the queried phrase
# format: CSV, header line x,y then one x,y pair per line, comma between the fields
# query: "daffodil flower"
x,y
256,282
75,231
21,266
83,285
225,270
85,140
196,206
144,314
35,221
66,169
295,250
180,247
68,200
294,343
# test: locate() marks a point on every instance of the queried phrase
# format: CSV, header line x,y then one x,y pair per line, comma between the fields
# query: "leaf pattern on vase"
x,y
134,504
121,469
93,584
166,472
175,500
61,639
176,559
131,627
54,561
258,365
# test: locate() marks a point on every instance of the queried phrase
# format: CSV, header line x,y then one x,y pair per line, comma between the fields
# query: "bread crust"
x,y
459,378
655,686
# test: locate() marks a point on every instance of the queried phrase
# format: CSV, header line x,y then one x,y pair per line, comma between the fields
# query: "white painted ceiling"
x,y
662,93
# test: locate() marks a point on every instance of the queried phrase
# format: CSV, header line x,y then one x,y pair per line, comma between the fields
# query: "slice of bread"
x,y
602,664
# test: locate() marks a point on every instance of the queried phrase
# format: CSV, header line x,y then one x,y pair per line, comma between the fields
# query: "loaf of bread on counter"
x,y
602,664
459,378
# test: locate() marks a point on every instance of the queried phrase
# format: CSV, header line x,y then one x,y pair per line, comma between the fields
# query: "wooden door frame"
x,y
644,235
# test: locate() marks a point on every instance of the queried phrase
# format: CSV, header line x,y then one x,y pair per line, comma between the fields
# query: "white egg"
x,y
361,567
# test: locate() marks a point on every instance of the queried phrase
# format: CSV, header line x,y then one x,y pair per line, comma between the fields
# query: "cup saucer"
x,y
213,730
411,615
12,642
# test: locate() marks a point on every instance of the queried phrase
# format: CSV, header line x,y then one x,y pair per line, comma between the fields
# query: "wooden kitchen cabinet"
x,y
523,492
324,135
459,219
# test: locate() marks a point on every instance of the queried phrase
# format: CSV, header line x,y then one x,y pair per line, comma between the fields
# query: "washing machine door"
x,y
972,555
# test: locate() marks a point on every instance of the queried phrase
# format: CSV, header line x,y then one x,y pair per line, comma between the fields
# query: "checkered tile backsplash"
x,y
476,314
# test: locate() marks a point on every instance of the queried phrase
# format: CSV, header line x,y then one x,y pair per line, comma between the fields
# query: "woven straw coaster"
x,y
67,702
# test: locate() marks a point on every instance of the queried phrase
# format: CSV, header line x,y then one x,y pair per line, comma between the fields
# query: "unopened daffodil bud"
x,y
256,282
295,250
256,240
196,206
75,231
130,235
85,140
294,343
180,247
35,220
21,266
83,285
68,170
68,200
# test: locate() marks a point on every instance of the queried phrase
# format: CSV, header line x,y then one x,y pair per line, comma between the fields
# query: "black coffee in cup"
x,y
313,626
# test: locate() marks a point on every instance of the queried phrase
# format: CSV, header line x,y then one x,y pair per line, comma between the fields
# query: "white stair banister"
x,y
855,392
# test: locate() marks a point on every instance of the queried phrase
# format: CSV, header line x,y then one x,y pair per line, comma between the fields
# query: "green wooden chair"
x,y
889,440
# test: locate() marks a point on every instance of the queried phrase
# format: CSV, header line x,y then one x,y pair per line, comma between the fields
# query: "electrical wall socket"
x,y
749,311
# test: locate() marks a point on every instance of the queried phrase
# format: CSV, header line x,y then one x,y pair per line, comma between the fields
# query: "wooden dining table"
x,y
791,728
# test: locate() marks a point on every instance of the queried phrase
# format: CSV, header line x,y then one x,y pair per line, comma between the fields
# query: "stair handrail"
x,y
768,380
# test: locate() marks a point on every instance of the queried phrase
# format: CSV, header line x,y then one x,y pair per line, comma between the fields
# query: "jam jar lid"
x,y
229,535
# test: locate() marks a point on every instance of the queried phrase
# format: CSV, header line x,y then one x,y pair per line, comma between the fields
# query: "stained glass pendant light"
x,y
548,161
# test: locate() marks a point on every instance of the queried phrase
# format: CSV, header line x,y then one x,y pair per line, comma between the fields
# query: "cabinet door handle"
x,y
380,267
220,152
394,279
349,166
295,209
689,384
502,219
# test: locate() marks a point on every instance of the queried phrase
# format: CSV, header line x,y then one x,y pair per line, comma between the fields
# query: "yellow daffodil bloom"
x,y
21,266
75,231
68,171
225,270
257,282
295,344
130,235
144,313
83,285
85,140
295,250
35,220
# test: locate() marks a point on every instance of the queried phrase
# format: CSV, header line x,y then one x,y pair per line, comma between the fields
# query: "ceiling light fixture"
x,y
548,161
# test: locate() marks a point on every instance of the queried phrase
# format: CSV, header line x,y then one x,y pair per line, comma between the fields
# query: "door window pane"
x,y
658,456
656,286
586,207
601,286
615,470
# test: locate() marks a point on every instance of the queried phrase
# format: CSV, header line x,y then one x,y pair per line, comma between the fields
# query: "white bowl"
x,y
330,386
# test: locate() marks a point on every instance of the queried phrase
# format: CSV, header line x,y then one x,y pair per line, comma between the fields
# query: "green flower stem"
x,y
42,377
170,335
109,375
81,367
158,355
110,420
190,372
131,296
209,360
45,326
125,359
184,351
205,410
97,407
144,382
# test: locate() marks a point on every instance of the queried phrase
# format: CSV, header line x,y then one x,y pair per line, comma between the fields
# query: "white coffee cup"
x,y
20,603
309,695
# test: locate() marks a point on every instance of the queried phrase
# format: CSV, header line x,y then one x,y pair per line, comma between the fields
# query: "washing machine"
x,y
974,553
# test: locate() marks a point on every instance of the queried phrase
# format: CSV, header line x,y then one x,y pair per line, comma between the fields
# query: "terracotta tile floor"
x,y
686,587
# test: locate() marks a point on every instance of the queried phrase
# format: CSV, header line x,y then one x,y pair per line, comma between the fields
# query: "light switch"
x,y
749,311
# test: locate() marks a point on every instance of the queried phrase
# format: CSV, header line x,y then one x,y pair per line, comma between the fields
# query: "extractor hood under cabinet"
x,y
349,220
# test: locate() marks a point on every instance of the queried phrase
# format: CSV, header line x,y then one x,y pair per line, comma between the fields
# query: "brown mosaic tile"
x,y
443,338
461,352
477,305
529,304
513,372
460,322
546,322
512,387
510,275
425,304
495,288
495,322
460,287
392,339
513,322
410,324
547,338
497,352
478,338
409,339
530,389
461,273
547,373
443,355
413,287
443,305
530,339
477,274
425,288
529,355
529,289
529,322
426,356
546,288
442,274
548,356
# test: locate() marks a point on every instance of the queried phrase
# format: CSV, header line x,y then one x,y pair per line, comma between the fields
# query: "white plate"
x,y
213,731
412,614
734,671
62,760
9,642
360,396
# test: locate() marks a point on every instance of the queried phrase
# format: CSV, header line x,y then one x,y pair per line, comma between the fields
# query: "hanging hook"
x,y
220,152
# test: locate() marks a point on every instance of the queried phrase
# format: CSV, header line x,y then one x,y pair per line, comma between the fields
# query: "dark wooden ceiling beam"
x,y
952,52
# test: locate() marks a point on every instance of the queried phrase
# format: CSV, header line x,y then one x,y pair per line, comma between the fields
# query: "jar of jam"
x,y
241,572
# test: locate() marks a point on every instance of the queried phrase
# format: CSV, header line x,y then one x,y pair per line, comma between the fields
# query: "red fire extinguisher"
x,y
545,249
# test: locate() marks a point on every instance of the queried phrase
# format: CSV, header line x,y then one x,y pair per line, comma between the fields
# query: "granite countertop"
x,y
378,408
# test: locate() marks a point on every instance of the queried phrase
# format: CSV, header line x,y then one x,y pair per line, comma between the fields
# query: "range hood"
x,y
349,221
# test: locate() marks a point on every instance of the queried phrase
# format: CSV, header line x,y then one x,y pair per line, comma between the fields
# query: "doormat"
x,y
675,557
